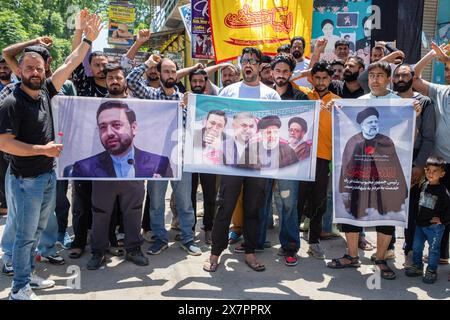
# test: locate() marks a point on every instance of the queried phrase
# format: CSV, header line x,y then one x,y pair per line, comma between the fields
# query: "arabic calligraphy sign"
x,y
265,24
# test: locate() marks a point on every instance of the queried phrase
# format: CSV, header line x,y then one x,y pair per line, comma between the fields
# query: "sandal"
x,y
365,245
256,266
76,254
337,264
386,272
209,266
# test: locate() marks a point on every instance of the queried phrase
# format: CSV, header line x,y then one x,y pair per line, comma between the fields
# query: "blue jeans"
x,y
433,235
46,245
289,231
34,200
182,190
264,213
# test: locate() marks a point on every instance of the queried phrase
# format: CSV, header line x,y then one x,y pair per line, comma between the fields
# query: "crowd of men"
x,y
121,214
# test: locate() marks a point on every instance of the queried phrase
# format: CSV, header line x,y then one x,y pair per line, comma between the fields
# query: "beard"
x,y
402,86
297,54
281,82
5,76
198,89
33,85
153,77
250,77
122,145
350,76
169,83
116,90
227,83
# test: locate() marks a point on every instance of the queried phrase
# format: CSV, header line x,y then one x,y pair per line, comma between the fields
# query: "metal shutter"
x,y
429,27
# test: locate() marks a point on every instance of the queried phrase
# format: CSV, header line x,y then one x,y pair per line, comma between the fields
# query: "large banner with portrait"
x,y
118,139
373,143
253,138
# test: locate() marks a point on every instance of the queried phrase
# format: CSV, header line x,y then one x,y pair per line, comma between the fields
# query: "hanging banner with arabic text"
x,y
373,143
265,24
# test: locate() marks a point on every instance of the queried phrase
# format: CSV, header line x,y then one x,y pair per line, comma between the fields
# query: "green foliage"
x,y
22,20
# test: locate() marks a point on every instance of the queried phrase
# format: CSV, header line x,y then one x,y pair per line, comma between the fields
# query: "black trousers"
x,y
82,214
62,205
81,211
130,196
315,194
146,215
208,182
253,200
3,167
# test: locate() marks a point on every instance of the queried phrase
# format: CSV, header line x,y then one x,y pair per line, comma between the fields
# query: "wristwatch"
x,y
89,42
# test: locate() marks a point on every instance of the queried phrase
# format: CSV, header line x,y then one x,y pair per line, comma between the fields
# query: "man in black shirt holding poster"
x,y
27,134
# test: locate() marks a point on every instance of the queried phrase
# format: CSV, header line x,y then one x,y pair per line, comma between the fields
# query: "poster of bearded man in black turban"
x,y
371,180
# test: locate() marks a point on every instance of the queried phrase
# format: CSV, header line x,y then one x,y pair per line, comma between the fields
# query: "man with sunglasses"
x,y
230,186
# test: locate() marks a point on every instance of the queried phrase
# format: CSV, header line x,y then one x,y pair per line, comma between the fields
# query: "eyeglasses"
x,y
249,60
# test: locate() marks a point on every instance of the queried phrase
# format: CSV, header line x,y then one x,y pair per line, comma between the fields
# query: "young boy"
x,y
434,214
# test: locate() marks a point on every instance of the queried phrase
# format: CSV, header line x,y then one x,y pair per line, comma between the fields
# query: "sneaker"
x,y
8,269
291,260
414,271
158,247
389,255
53,259
97,260
137,257
148,236
304,226
25,293
64,240
430,276
282,252
191,248
316,251
178,237
38,283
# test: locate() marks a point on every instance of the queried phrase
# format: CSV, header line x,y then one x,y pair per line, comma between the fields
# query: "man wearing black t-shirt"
x,y
27,134
350,87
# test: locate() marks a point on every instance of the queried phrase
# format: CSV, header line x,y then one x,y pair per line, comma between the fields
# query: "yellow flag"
x,y
264,24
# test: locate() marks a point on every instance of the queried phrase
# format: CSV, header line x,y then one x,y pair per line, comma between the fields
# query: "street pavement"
x,y
174,275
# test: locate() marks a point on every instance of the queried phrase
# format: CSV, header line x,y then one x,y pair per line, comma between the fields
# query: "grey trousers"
x,y
130,195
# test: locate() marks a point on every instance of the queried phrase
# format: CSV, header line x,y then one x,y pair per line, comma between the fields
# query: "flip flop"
x,y
209,266
256,266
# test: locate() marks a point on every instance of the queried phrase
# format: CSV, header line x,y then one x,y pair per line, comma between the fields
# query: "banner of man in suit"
x,y
254,138
373,143
118,139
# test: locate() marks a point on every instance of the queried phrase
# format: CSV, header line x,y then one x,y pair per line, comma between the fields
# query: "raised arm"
x,y
185,71
10,53
80,24
134,78
91,32
143,37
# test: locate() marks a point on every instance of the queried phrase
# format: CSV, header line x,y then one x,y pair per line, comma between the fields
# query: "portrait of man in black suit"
x,y
117,127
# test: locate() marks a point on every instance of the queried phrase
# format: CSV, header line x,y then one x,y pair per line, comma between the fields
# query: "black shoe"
x,y
97,260
137,257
